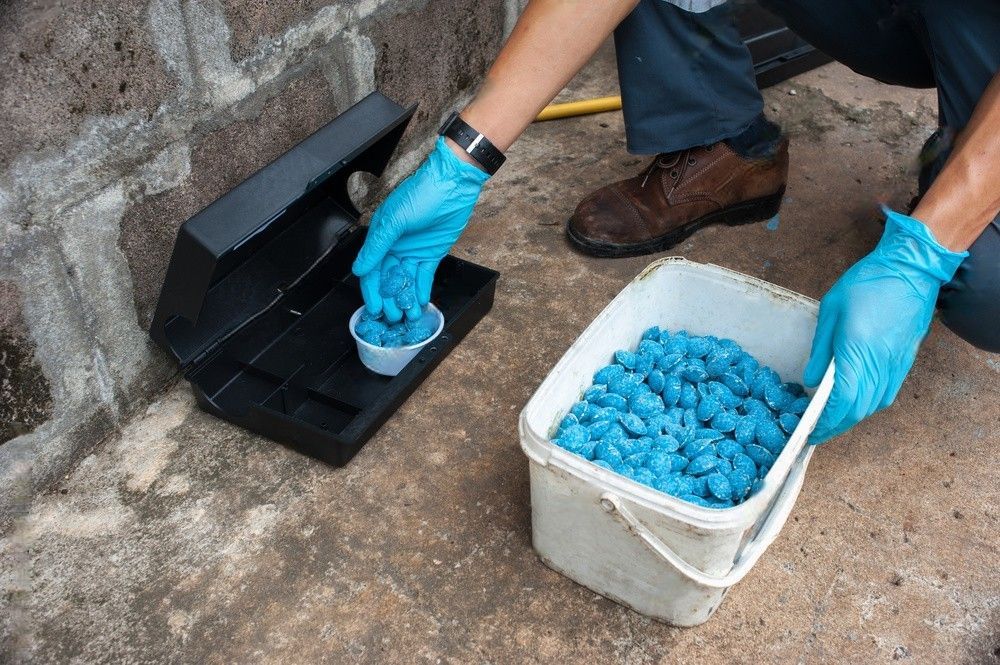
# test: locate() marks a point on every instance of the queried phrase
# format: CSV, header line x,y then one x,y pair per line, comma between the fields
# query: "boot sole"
x,y
747,212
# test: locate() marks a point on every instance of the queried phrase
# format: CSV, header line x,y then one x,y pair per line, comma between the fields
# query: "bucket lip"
x,y
357,314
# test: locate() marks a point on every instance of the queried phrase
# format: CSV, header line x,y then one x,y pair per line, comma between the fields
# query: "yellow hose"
x,y
584,107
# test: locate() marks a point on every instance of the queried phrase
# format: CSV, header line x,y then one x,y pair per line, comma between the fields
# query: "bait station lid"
x,y
259,291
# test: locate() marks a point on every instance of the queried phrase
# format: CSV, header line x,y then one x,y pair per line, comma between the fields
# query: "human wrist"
x,y
450,165
910,240
461,154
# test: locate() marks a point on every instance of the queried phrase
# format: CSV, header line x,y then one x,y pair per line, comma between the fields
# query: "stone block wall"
x,y
118,121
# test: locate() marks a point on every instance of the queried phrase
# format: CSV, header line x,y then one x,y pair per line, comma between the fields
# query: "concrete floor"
x,y
189,540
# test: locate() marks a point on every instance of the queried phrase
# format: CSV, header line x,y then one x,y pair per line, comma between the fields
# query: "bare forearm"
x,y
552,40
965,197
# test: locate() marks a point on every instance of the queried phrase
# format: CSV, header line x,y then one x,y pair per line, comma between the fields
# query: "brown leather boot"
x,y
676,195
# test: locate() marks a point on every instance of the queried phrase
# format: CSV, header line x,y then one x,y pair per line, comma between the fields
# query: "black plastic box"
x,y
778,53
258,294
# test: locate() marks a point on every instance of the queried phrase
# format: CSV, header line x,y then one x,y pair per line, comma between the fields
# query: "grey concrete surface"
x,y
119,121
185,539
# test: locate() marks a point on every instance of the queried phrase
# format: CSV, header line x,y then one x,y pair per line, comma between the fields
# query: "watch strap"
x,y
473,143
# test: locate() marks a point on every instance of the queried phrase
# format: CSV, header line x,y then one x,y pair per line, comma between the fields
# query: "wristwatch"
x,y
475,144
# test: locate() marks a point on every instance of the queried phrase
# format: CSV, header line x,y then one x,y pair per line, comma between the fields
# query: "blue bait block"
x,y
710,433
726,397
624,385
574,435
632,423
668,485
644,476
607,373
708,408
659,462
568,420
702,464
743,464
698,347
798,406
644,364
628,447
613,401
728,448
759,456
670,362
599,429
719,486
394,280
649,347
696,500
625,358
688,397
609,453
666,443
735,384
605,413
788,422
645,405
672,387
637,460
740,483
371,331
694,373
656,381
675,345
697,486
725,421
678,462
746,430
770,436
406,299
777,398
697,447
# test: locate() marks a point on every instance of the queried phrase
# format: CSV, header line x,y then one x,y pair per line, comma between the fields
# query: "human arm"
x,y
875,316
424,216
965,196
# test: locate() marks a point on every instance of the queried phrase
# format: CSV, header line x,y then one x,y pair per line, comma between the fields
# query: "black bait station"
x,y
258,293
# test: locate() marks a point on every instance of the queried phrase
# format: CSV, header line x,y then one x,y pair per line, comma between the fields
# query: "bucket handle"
x,y
776,518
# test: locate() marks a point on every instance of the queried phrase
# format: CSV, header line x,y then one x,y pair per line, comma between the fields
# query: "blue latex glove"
x,y
873,320
416,226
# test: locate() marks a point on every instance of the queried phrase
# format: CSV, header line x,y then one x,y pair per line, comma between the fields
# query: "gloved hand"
x,y
873,319
416,226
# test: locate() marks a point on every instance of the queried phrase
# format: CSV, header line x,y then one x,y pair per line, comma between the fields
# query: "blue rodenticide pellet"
x,y
394,281
695,417
719,486
378,332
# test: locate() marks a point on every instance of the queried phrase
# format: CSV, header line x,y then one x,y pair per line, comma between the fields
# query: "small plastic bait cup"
x,y
390,361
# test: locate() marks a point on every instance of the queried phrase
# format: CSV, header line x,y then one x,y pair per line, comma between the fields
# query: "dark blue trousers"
x,y
687,80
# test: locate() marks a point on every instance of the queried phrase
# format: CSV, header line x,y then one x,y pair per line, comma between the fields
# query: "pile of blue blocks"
x,y
695,417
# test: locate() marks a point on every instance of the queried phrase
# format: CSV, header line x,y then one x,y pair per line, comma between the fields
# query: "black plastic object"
x,y
259,291
778,53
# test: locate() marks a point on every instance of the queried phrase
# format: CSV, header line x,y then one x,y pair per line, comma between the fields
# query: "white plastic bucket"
x,y
390,361
663,557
